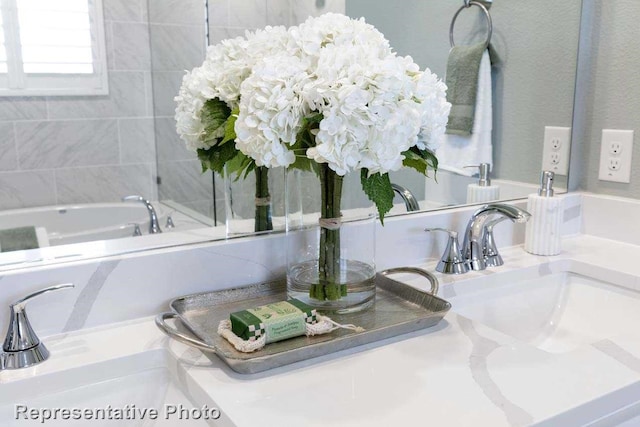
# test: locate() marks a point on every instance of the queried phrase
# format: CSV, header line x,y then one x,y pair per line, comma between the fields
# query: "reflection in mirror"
x,y
533,65
66,160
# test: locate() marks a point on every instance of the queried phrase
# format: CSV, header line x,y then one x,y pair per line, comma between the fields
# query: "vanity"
x,y
546,341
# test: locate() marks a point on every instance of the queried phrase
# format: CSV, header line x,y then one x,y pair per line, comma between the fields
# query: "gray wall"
x,y
609,87
536,44
56,150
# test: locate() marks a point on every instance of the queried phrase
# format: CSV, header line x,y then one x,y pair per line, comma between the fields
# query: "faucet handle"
x,y
170,223
452,261
492,257
20,335
136,229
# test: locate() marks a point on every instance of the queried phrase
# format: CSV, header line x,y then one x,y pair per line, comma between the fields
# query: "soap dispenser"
x,y
543,229
483,191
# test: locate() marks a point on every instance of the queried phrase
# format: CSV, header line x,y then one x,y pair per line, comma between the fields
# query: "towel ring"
x,y
467,4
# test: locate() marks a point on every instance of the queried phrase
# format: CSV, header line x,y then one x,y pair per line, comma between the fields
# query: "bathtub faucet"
x,y
407,196
154,224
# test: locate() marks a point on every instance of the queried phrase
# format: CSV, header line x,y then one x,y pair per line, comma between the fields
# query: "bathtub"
x,y
66,224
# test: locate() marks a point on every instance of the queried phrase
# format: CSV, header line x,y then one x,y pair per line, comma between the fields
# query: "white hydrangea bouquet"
x,y
208,104
328,96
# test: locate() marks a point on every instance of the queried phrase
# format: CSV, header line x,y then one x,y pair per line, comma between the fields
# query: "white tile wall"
x,y
8,152
177,37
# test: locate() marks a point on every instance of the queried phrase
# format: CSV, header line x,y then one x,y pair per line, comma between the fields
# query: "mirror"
x,y
67,160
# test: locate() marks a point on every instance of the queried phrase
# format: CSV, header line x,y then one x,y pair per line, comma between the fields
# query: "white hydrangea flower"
x,y
271,110
190,101
226,66
374,109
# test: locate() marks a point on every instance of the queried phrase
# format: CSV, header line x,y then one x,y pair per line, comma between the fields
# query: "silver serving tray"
x,y
398,309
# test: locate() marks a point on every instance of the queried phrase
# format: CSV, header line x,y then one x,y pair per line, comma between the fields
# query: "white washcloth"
x,y
43,237
457,151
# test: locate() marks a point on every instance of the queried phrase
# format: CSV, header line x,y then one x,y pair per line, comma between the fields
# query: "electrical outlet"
x,y
616,153
615,148
555,152
614,164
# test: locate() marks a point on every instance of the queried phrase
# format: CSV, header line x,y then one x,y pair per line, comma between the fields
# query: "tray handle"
x,y
175,334
433,280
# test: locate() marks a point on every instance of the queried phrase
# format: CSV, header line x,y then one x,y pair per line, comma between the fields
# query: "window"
x,y
52,47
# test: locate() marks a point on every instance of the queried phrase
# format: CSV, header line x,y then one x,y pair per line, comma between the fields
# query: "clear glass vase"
x,y
330,241
255,203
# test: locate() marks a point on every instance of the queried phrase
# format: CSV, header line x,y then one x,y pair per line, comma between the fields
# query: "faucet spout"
x,y
409,199
154,224
480,226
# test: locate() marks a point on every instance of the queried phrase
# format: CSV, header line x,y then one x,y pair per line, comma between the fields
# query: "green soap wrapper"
x,y
277,321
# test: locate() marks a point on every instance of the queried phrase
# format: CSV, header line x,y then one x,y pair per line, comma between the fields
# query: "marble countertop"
x,y
460,373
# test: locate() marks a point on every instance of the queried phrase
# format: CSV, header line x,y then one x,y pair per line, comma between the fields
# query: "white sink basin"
x,y
556,313
142,381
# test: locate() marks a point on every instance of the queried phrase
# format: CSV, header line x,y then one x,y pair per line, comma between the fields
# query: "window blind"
x,y
55,36
53,48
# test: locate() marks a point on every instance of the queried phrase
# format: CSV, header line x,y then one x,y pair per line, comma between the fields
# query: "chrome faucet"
x,y
479,249
410,201
154,224
22,347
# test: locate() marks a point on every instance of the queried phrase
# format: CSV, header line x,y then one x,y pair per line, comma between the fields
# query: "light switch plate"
x,y
555,152
616,152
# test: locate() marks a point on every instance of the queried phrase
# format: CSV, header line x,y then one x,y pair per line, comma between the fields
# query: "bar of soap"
x,y
278,321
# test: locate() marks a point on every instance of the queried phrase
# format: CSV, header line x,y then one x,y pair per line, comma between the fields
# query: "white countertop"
x,y
459,373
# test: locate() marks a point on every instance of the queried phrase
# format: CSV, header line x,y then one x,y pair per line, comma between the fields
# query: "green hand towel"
x,y
17,239
462,87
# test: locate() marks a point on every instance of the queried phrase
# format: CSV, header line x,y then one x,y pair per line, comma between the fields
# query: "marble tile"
x,y
137,141
166,85
123,10
278,12
108,40
26,189
218,13
148,93
8,153
302,9
176,48
216,35
55,144
126,99
169,145
248,14
87,185
131,46
176,12
204,207
17,108
184,181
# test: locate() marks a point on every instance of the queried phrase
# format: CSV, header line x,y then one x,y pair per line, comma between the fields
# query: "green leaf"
x,y
214,116
304,141
378,188
240,165
420,160
216,157
229,127
415,161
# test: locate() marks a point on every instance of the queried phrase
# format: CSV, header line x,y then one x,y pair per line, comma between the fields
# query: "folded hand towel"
x,y
458,151
17,239
463,67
